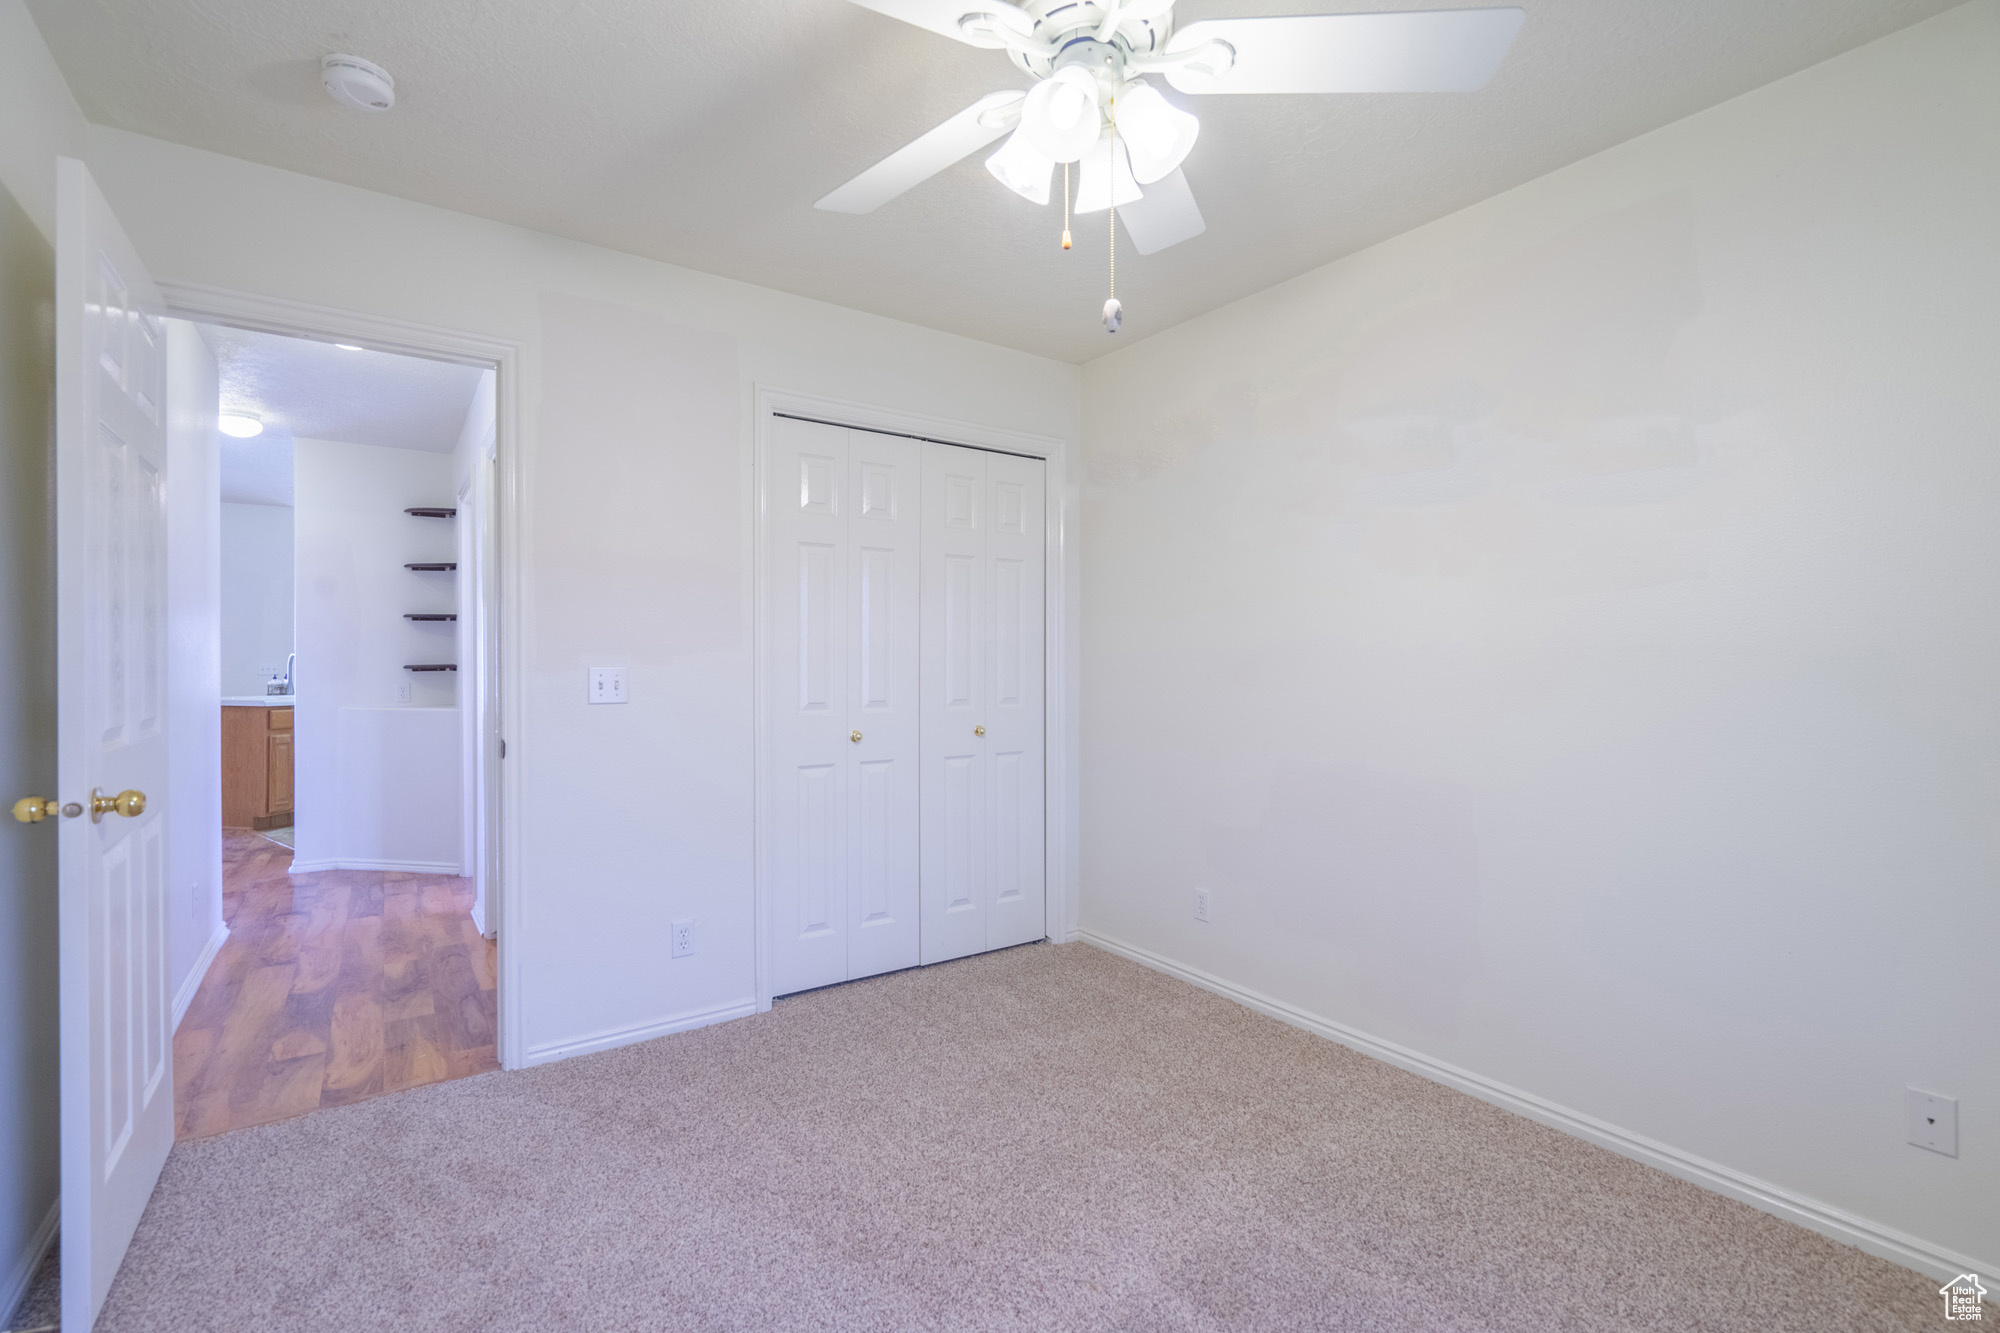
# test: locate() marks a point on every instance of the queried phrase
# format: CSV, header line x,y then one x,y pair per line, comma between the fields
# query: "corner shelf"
x,y
430,615
433,566
431,666
431,511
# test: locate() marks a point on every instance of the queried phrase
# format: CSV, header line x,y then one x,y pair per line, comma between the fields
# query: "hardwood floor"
x,y
333,987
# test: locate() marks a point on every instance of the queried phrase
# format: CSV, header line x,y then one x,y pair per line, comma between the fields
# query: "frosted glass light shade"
x,y
1022,168
239,424
1106,177
1158,134
1060,115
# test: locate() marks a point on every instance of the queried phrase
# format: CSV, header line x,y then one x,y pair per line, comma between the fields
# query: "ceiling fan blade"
x,y
1166,216
942,17
1426,51
914,163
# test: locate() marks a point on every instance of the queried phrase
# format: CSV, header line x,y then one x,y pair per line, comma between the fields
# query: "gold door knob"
x,y
34,809
979,731
854,735
127,803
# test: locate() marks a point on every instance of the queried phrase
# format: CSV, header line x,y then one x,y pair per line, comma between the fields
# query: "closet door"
x,y
982,702
842,509
1013,714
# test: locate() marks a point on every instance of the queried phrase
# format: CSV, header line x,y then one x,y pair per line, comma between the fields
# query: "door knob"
x,y
854,736
127,803
34,809
979,731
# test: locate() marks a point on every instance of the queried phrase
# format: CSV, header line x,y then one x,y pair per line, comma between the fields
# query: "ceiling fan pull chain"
x,y
1114,314
1065,205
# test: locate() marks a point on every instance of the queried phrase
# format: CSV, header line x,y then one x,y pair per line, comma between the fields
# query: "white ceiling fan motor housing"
x,y
354,82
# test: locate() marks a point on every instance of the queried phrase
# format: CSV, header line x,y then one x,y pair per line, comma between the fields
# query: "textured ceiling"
x,y
300,388
700,132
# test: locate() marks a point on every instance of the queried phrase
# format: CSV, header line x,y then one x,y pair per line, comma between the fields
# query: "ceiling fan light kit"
x,y
1092,105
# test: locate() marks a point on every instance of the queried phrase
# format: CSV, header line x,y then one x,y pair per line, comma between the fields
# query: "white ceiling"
x,y
318,391
700,132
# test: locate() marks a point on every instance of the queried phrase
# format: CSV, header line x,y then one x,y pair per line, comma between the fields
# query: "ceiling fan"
x,y
1092,104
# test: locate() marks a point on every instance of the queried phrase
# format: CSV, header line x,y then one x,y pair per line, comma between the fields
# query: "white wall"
x,y
1566,638
377,774
195,928
635,395
256,595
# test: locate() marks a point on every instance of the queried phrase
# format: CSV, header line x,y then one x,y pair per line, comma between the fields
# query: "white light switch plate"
x,y
1933,1121
607,685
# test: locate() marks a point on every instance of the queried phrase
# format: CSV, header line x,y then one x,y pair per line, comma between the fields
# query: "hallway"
x,y
332,988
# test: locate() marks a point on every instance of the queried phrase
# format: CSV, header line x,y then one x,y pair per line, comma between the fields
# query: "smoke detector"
x,y
361,84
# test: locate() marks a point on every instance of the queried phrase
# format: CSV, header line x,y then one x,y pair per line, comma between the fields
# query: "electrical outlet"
x,y
607,685
1933,1121
402,691
1201,905
682,939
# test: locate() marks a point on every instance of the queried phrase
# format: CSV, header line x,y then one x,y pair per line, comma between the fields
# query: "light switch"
x,y
607,685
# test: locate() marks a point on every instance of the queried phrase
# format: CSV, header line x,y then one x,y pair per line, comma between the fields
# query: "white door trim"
x,y
272,314
1058,848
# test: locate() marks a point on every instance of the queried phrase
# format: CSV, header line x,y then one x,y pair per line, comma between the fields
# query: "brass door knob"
x,y
34,809
854,735
127,803
979,731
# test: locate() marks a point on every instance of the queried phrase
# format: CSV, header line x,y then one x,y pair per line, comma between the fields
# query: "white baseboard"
x,y
192,981
1881,1241
604,1041
299,867
30,1259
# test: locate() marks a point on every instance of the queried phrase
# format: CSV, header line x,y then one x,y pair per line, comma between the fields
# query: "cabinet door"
x,y
278,773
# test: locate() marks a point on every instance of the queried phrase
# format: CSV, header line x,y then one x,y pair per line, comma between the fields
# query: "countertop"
x,y
258,701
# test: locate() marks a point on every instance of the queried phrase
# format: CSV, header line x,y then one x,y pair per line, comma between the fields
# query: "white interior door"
x,y
982,776
842,514
111,649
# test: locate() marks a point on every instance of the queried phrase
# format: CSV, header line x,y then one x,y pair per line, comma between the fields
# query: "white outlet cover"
x,y
1201,905
1933,1121
681,935
607,685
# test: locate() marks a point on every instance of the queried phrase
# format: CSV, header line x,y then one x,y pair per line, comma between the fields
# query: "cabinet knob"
x,y
979,731
854,735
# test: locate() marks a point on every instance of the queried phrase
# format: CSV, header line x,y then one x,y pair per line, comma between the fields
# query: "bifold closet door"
x,y
843,515
982,632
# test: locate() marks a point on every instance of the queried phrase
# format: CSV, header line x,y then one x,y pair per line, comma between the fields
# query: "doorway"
x,y
903,668
356,689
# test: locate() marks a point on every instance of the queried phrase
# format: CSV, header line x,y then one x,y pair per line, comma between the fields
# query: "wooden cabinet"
x,y
256,767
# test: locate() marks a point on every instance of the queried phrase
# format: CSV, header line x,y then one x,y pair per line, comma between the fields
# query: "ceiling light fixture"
x,y
1060,115
1089,57
348,347
241,425
1158,134
1023,168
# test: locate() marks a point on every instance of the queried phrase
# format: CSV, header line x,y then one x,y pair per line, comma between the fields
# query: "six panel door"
x,y
843,510
982,629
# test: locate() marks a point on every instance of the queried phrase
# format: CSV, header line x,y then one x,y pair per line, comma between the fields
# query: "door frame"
x,y
299,319
1058,731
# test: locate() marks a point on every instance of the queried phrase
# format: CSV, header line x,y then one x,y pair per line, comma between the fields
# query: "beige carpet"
x,y
1049,1138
